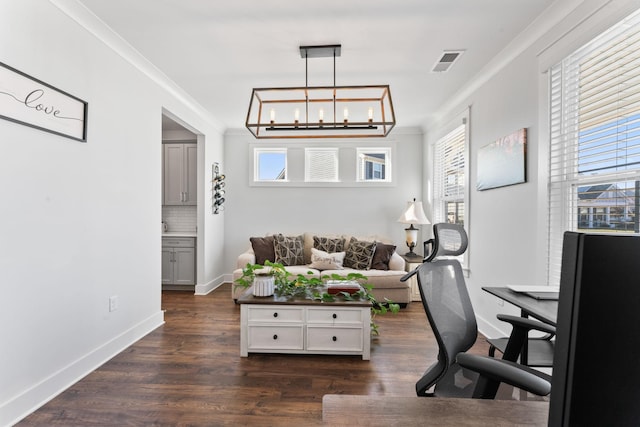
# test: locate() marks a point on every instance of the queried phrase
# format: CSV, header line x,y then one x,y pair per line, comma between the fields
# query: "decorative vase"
x,y
263,285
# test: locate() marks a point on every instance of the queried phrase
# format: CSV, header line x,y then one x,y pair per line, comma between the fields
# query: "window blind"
x,y
449,181
594,127
321,165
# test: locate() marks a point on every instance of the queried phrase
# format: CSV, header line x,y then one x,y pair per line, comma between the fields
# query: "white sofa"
x,y
386,283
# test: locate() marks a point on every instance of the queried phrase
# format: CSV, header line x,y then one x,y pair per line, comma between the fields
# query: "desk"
x,y
430,411
534,352
544,310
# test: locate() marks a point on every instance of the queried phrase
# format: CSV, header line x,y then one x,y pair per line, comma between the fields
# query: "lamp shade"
x,y
414,214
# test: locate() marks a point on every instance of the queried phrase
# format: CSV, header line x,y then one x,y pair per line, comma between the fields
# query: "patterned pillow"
x,y
322,260
328,244
289,250
382,256
263,248
359,254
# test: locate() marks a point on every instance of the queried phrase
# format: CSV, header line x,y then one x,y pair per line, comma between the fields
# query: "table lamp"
x,y
414,214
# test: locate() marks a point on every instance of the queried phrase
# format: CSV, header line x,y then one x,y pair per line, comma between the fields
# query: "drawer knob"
x,y
275,337
335,338
335,316
275,314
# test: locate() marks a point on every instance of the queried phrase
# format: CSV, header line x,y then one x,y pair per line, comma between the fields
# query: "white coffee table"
x,y
303,326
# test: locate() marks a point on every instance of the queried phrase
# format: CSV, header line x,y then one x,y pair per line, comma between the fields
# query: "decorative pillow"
x,y
289,250
263,248
381,256
359,254
322,260
328,244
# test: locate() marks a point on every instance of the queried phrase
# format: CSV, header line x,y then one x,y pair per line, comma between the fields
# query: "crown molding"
x,y
544,23
98,28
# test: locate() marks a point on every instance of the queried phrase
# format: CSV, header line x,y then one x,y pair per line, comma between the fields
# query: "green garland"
x,y
302,286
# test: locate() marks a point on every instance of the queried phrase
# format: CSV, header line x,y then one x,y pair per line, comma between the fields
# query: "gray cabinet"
x,y
178,261
180,174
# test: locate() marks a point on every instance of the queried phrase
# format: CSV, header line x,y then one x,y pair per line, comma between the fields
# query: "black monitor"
x,y
596,368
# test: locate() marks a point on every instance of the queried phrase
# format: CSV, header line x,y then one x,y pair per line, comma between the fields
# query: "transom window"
x,y
374,164
270,164
321,164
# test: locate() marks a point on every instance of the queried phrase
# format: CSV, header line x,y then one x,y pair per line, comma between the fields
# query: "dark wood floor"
x,y
189,372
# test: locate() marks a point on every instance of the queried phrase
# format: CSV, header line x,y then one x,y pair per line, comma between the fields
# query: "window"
x,y
450,180
270,164
321,164
595,139
314,165
374,164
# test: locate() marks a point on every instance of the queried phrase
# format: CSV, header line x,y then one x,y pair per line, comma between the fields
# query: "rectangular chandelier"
x,y
321,111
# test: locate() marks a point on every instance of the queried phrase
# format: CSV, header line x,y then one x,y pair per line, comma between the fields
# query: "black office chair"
x,y
450,314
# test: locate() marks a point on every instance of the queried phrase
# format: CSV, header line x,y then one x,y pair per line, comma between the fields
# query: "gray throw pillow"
x,y
382,256
359,254
328,244
289,250
263,248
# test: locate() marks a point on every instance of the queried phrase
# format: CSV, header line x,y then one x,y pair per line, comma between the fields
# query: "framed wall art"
x,y
31,102
503,162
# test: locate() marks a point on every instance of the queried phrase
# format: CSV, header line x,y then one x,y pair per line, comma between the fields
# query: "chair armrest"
x,y
528,324
409,274
520,334
507,372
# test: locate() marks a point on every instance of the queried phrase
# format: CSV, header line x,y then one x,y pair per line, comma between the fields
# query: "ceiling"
x,y
217,51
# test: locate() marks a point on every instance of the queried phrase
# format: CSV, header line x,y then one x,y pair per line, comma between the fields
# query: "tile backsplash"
x,y
180,218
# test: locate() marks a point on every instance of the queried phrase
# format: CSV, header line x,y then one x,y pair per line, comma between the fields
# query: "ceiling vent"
x,y
446,60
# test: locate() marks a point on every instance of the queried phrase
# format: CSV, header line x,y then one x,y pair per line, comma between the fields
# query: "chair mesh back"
x,y
447,304
449,240
448,307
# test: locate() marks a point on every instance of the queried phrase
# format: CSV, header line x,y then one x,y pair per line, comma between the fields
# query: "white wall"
x,y
80,221
256,211
508,227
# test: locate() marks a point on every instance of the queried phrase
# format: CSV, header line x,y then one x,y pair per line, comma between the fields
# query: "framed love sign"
x,y
31,102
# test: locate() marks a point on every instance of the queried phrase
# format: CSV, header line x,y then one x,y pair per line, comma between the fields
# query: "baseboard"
x,y
206,288
24,404
489,330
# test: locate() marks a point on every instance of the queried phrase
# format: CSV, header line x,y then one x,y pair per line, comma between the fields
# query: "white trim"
x,y
94,25
25,403
206,288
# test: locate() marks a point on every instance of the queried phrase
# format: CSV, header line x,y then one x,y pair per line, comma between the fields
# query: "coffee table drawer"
x,y
334,316
275,337
276,314
334,339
